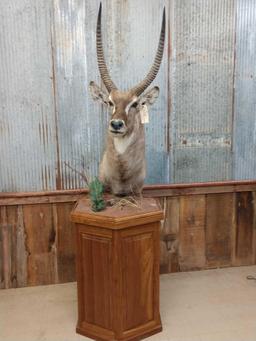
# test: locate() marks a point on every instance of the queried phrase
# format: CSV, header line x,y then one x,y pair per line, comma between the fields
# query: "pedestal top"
x,y
148,210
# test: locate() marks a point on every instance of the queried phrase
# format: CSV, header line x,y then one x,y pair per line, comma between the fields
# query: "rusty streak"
x,y
58,170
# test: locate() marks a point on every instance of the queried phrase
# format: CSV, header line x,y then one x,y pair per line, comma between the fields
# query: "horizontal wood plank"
x,y
25,198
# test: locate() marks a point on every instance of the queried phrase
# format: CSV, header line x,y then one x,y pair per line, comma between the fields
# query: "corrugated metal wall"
x,y
202,78
203,126
244,142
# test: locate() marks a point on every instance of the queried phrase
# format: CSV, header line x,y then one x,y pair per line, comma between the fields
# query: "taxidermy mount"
x,y
123,167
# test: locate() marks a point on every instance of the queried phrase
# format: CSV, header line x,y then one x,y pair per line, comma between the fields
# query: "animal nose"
x,y
116,124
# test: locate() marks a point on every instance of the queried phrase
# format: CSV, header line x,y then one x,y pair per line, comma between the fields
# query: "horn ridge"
x,y
100,56
141,87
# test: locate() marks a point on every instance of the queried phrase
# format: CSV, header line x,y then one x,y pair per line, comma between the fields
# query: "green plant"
x,y
96,195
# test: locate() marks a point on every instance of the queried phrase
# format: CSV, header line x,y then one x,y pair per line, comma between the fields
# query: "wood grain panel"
x,y
97,265
169,238
11,214
254,227
6,248
40,244
37,240
22,254
1,253
244,229
139,266
66,243
219,229
1,264
13,260
192,232
118,274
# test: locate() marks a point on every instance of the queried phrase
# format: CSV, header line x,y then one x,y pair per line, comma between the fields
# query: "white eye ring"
x,y
127,109
129,105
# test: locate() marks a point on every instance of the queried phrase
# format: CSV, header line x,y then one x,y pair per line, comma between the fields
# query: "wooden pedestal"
x,y
118,271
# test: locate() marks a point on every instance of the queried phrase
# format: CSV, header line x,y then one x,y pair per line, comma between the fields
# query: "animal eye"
x,y
111,103
134,105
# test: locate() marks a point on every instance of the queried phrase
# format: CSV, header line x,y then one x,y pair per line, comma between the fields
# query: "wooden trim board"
x,y
205,226
166,190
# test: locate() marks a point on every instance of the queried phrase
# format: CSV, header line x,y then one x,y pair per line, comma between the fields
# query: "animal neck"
x,y
123,143
134,142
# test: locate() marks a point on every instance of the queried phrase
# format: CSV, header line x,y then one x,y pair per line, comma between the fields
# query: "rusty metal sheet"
x,y
49,121
79,121
202,84
27,120
199,164
245,92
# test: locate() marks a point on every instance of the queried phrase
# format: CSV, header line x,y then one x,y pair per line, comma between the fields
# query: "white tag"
x,y
144,114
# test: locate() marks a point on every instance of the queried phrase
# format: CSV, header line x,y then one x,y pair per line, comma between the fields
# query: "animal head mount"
x,y
125,105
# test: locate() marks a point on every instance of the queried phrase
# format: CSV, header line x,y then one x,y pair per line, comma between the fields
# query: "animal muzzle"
x,y
117,126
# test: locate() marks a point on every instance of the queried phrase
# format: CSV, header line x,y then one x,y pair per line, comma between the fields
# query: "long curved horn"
x,y
100,55
138,89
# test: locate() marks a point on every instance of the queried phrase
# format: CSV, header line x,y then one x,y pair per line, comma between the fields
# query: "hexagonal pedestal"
x,y
118,270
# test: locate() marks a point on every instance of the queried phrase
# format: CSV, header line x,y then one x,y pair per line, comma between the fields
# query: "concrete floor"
x,y
213,305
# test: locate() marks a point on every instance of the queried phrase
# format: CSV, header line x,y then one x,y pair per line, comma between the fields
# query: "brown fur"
x,y
123,166
124,173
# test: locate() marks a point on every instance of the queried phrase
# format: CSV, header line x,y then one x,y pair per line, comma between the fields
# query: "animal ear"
x,y
98,94
150,96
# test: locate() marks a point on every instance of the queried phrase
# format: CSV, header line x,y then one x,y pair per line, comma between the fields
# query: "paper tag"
x,y
144,114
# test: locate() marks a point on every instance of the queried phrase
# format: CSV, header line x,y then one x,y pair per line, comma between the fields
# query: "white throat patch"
x,y
121,144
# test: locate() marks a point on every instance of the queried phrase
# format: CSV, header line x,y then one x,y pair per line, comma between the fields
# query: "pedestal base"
x,y
118,271
138,335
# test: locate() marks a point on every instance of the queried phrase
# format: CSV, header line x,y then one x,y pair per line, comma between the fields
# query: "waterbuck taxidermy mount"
x,y
123,168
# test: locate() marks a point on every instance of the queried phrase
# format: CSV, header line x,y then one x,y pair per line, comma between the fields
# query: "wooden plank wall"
x,y
204,227
37,245
208,231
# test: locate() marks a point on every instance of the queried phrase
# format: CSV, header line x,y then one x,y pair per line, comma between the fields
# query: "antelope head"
x,y
125,105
